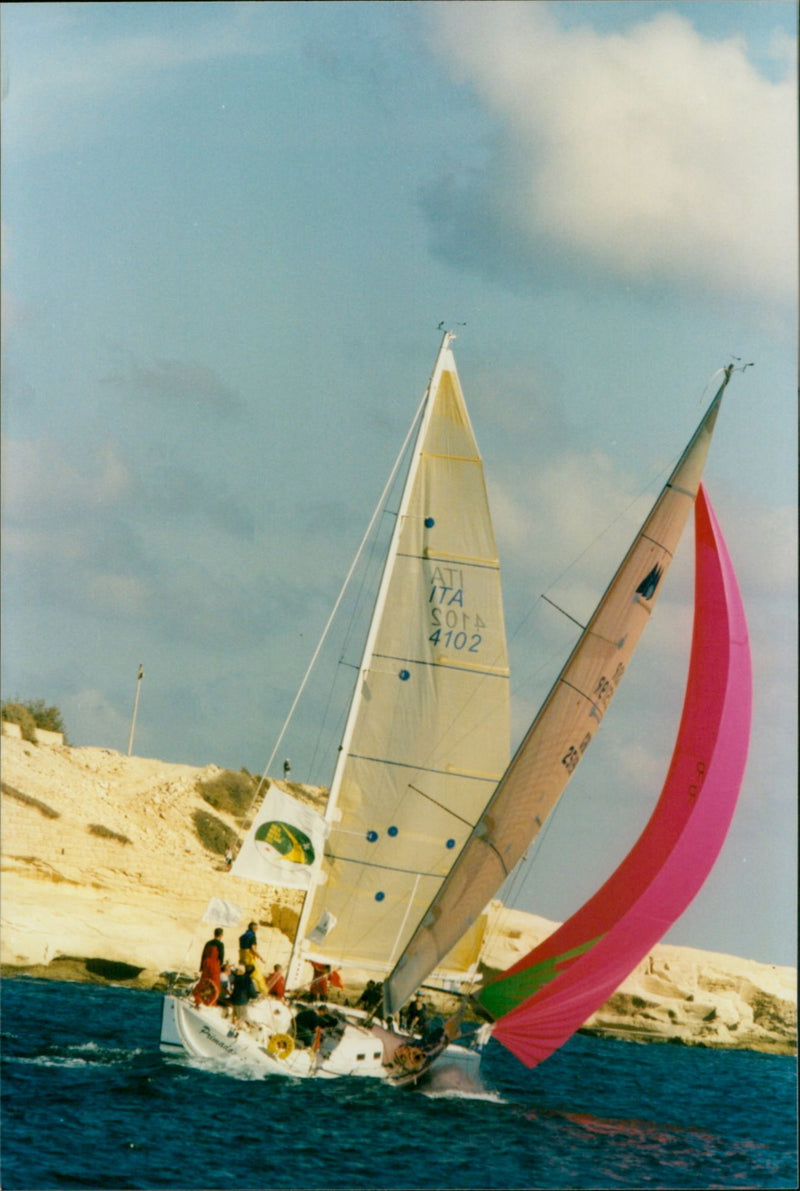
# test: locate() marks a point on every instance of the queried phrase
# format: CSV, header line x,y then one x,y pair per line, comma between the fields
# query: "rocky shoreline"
x,y
105,879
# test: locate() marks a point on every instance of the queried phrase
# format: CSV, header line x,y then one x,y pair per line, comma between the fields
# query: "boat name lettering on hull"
x,y
215,1038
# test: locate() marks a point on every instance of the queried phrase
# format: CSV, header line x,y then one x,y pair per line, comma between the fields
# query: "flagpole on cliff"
x,y
139,678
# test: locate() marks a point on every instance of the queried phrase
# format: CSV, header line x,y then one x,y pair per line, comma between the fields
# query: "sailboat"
x,y
426,817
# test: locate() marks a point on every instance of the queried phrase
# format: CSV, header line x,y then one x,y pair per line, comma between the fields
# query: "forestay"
x,y
562,730
427,738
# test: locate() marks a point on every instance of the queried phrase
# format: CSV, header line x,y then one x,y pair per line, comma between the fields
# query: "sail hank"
x,y
550,993
427,737
562,730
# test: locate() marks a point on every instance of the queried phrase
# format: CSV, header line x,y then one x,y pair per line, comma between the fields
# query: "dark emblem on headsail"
x,y
647,587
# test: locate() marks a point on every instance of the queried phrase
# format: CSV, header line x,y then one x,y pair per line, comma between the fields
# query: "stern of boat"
x,y
171,1036
183,1031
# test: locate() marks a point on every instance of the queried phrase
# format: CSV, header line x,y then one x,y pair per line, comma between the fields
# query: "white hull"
x,y
349,1049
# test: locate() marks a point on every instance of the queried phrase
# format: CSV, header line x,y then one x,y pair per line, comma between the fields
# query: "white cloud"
x,y
654,153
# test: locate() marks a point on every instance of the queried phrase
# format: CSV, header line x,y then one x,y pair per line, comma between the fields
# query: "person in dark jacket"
x,y
415,1015
244,991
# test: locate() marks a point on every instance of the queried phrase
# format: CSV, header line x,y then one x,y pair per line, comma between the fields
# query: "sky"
x,y
230,233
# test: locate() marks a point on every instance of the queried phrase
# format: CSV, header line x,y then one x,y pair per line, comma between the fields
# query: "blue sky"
x,y
230,232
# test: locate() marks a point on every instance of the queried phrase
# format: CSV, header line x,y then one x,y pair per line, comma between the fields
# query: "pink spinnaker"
x,y
588,957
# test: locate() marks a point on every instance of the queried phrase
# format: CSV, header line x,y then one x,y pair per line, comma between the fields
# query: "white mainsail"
x,y
427,738
563,728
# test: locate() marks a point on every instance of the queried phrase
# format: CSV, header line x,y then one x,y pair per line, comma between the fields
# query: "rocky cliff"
x,y
105,875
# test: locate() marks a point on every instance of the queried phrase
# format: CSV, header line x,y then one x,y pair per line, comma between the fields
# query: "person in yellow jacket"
x,y
248,955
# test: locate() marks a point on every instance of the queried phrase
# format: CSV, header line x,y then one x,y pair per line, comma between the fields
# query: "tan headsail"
x,y
563,728
427,738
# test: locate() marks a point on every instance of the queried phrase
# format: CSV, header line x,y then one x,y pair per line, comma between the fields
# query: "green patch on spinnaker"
x,y
507,992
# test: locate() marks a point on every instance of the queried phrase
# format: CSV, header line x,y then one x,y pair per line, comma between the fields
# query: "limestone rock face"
x,y
101,860
105,877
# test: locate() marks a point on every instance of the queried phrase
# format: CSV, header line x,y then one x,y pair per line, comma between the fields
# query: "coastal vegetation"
x,y
29,800
213,834
107,833
32,714
230,792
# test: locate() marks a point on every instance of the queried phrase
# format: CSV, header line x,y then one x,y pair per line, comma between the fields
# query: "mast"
x,y
331,809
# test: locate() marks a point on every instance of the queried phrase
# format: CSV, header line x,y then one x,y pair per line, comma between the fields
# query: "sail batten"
x,y
469,560
447,663
452,458
660,545
448,771
385,868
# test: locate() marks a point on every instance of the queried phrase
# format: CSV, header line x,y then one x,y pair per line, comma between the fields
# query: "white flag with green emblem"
x,y
284,844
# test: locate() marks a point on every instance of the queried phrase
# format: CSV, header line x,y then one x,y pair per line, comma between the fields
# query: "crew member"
x,y
210,970
248,955
276,983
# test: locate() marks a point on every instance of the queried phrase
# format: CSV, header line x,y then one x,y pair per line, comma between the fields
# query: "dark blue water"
x,y
88,1102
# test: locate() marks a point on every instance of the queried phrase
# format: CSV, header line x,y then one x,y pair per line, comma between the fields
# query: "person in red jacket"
x,y
276,983
208,987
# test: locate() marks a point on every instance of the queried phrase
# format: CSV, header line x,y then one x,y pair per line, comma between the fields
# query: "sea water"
x,y
89,1102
